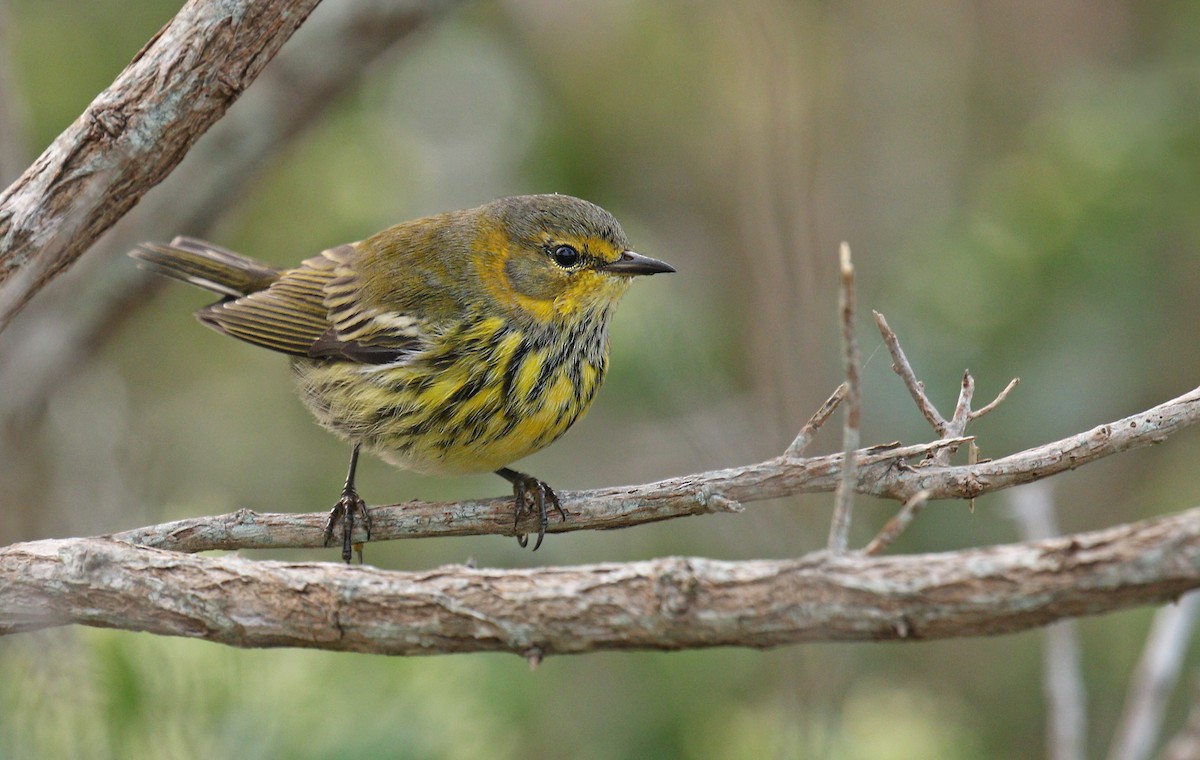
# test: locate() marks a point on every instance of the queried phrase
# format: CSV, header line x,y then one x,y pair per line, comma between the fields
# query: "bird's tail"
x,y
207,266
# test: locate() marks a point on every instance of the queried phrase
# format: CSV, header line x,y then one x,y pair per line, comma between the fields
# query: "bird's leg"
x,y
531,494
344,511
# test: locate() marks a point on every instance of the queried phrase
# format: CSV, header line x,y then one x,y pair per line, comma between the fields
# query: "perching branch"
x,y
670,603
882,472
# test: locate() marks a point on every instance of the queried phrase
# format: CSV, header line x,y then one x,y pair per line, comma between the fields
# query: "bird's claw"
x,y
344,511
532,495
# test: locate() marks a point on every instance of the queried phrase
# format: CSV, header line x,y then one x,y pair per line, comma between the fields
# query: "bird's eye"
x,y
565,256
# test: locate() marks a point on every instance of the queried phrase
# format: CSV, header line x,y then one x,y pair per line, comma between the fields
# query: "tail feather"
x,y
206,266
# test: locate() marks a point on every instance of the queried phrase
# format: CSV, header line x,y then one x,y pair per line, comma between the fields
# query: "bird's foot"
x,y
345,511
532,495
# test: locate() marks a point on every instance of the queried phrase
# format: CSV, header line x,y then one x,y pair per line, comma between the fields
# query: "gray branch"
x,y
666,604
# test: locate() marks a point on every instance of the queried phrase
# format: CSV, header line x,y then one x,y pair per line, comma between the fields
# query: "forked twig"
x,y
956,426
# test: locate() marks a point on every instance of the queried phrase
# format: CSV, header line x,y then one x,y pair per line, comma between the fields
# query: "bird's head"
x,y
555,257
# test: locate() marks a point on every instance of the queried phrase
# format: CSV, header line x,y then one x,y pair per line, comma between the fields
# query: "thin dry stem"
x,y
996,401
843,501
897,525
902,368
813,426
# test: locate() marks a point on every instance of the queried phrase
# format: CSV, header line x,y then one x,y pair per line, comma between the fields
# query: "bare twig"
x,y
895,526
819,418
962,410
135,132
1062,666
670,603
1000,397
957,424
843,501
1154,680
902,368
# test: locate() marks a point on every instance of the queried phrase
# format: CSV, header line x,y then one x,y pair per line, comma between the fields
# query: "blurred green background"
x,y
1020,183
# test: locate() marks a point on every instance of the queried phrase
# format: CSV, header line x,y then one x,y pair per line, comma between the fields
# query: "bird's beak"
x,y
632,263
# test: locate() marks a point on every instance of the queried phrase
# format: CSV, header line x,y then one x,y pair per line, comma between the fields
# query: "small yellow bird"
x,y
455,343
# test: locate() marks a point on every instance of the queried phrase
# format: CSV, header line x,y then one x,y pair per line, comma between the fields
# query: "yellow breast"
x,y
482,396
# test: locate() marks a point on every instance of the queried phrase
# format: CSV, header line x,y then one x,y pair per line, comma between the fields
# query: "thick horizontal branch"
x,y
670,603
133,134
882,472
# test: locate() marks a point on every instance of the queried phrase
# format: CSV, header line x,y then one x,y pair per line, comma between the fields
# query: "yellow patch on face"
x,y
527,281
591,290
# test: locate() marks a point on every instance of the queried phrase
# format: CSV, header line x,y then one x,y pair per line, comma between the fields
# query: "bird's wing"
x,y
359,331
312,311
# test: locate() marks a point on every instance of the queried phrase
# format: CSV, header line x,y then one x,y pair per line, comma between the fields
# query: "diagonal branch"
x,y
902,367
133,134
670,603
64,328
1154,680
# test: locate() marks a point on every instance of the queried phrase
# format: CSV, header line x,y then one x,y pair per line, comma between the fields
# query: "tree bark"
x,y
665,604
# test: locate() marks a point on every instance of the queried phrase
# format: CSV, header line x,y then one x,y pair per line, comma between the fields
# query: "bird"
x,y
455,343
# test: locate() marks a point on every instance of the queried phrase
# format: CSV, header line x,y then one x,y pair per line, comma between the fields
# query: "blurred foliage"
x,y
1019,182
